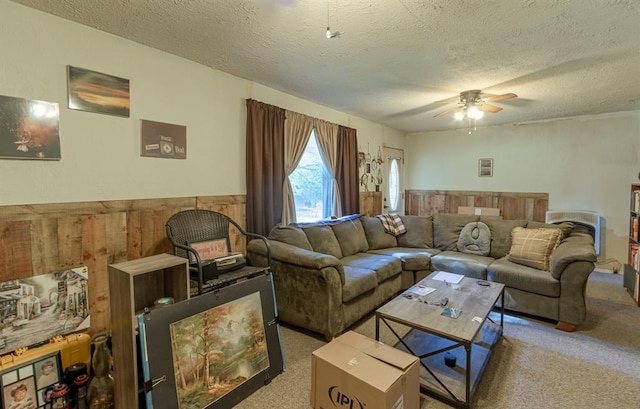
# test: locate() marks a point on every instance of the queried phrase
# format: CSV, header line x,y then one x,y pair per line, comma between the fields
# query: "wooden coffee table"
x,y
432,335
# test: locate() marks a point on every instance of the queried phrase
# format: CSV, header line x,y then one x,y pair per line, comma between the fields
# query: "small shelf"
x,y
454,379
137,284
631,282
631,275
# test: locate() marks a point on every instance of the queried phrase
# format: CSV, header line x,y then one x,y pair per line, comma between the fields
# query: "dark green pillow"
x,y
323,240
350,235
290,235
501,234
447,228
419,232
565,227
376,236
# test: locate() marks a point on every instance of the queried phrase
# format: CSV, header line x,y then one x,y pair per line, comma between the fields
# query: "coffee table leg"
x,y
467,347
502,312
377,327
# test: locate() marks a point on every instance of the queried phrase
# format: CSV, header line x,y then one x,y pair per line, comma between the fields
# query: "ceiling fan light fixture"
x,y
474,113
459,115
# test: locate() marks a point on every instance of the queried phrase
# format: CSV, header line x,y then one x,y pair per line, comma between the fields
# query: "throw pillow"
x,y
323,240
376,237
419,232
290,235
447,228
533,247
350,235
566,227
501,234
475,238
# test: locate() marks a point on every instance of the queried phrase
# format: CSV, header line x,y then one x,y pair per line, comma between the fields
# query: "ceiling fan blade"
x,y
449,100
489,108
501,97
446,112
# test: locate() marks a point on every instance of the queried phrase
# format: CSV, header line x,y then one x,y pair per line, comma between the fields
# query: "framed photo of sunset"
x,y
96,92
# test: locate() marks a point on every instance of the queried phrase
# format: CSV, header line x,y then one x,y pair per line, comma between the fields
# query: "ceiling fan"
x,y
474,103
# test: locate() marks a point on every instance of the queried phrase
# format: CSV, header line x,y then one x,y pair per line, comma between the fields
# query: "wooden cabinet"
x,y
631,276
134,285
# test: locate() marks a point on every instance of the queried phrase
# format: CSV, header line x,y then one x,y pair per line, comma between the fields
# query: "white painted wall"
x,y
584,163
100,153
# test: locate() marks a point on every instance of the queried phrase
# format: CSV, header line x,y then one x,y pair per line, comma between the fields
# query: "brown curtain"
x,y
297,133
347,170
265,166
327,135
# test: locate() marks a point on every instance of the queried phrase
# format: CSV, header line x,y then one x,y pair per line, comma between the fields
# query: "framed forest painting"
x,y
223,345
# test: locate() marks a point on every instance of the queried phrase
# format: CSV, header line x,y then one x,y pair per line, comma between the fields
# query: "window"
x,y
394,185
309,182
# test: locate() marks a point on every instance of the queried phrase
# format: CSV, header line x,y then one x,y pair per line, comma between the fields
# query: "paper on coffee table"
x,y
420,290
448,277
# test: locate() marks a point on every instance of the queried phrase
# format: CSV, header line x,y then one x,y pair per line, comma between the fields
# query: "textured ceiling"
x,y
397,58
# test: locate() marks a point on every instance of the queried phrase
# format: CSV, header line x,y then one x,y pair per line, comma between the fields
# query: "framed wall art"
x,y
485,167
163,140
96,92
35,309
29,129
30,384
213,350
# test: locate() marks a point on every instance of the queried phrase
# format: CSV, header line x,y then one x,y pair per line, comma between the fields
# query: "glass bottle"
x,y
100,391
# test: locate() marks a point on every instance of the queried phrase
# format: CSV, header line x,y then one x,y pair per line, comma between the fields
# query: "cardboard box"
x,y
479,211
356,372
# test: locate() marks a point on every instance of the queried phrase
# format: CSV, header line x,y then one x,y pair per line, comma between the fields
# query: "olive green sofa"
x,y
330,274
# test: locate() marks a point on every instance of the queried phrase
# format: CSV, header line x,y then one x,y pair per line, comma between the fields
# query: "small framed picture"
x,y
485,167
29,385
209,249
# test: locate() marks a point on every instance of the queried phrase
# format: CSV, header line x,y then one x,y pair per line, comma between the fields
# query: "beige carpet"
x,y
533,366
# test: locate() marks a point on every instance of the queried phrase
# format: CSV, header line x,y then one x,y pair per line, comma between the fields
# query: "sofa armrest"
x,y
287,254
308,285
576,248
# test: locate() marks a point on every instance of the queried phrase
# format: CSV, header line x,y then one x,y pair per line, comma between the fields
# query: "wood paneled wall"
x,y
46,238
370,203
512,205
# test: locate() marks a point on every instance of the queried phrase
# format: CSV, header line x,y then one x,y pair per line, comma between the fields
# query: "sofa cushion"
x,y
501,234
566,227
419,232
533,247
475,238
376,236
384,266
413,259
357,281
323,240
350,235
469,265
523,278
290,235
447,228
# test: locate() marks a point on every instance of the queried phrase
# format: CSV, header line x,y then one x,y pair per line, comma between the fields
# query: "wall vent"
x,y
589,220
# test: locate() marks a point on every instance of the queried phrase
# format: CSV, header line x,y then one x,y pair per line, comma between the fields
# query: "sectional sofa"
x,y
328,275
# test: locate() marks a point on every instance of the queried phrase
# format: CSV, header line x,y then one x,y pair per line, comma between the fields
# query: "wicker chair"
x,y
194,226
